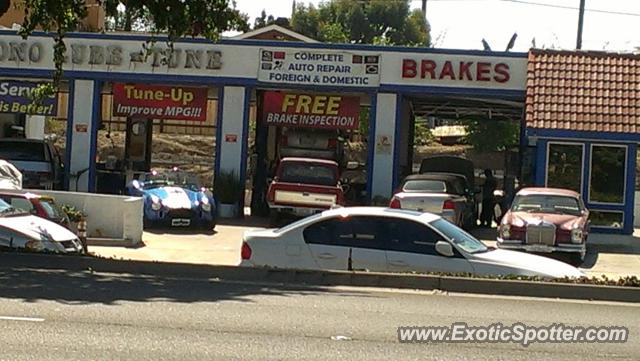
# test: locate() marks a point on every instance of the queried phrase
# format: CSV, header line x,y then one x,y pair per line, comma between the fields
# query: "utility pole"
x,y
424,8
580,23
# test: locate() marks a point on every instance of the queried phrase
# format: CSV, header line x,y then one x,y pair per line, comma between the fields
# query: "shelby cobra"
x,y
174,198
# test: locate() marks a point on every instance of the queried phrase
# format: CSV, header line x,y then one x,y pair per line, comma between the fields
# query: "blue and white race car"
x,y
174,198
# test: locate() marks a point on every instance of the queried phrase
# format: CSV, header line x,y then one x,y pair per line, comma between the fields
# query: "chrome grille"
x,y
541,234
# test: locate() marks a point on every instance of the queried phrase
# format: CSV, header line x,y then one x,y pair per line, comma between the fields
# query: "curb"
x,y
326,278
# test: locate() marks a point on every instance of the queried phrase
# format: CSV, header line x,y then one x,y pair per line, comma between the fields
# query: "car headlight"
x,y
206,206
505,231
576,235
156,204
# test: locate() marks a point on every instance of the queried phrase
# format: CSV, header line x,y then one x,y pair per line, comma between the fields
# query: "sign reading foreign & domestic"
x,y
304,67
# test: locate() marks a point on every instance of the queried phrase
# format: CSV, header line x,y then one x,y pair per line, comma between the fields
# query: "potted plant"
x,y
74,215
227,188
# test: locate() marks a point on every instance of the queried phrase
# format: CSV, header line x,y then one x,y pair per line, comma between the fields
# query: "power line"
x,y
611,12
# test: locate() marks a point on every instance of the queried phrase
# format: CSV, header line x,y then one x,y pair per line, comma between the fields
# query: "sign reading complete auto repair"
x,y
15,97
306,67
159,102
311,110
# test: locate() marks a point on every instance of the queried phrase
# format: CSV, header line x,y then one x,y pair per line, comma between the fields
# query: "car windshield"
x,y
308,173
52,209
544,203
173,178
7,209
425,185
22,151
459,237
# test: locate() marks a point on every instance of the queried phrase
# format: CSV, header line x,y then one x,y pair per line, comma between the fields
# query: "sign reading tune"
x,y
311,110
159,102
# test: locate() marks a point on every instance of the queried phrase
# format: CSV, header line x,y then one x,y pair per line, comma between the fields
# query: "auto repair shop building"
x,y
579,109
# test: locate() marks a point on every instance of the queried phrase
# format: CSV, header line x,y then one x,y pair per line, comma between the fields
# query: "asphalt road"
x,y
64,315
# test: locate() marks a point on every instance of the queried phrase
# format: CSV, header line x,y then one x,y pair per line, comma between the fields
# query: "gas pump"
x,y
137,151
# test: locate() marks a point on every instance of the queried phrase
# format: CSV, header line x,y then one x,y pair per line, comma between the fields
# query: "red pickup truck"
x,y
304,186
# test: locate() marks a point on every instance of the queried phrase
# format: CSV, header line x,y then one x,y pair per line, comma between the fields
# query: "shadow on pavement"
x,y
81,287
181,231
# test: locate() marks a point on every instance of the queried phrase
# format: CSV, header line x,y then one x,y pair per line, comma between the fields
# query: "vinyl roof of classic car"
x,y
549,191
308,160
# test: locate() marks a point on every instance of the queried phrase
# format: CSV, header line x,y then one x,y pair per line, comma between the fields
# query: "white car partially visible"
x,y
388,240
10,176
19,229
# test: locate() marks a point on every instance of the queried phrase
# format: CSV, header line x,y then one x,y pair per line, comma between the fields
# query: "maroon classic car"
x,y
545,220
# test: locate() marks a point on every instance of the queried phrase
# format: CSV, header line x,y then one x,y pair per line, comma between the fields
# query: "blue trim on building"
x,y
280,44
96,115
27,73
586,171
69,135
409,90
541,163
218,132
629,198
371,144
245,142
582,135
396,140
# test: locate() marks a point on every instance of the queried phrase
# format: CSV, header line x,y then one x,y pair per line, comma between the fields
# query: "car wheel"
x,y
146,223
209,226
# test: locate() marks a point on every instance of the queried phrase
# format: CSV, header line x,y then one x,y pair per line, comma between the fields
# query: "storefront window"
x,y
606,219
606,184
564,167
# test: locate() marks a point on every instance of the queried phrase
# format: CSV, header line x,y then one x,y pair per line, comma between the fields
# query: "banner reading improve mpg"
x,y
159,102
15,97
311,110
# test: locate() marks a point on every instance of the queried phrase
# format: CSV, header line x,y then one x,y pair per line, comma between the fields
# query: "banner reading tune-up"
x,y
311,110
159,102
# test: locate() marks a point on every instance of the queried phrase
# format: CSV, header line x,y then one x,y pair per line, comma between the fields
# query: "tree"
x,y
176,18
487,135
362,22
263,20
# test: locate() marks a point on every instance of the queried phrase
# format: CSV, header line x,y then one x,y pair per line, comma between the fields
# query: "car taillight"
x,y
449,205
395,203
333,143
245,251
271,194
284,140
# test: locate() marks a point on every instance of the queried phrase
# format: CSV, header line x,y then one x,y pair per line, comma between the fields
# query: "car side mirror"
x,y
444,248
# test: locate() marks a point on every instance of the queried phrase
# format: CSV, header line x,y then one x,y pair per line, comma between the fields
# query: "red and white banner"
x,y
311,110
159,102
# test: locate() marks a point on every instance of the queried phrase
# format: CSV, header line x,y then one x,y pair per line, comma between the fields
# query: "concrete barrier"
x,y
108,216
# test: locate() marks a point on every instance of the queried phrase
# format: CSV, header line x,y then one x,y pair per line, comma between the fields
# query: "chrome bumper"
x,y
297,211
543,248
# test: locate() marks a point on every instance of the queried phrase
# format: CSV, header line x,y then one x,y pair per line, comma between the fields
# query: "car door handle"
x,y
398,263
326,256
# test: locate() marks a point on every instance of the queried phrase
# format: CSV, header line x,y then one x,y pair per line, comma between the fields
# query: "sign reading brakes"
x,y
294,66
311,111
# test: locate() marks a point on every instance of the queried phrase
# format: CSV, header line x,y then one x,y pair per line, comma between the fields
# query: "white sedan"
x,y
20,229
388,240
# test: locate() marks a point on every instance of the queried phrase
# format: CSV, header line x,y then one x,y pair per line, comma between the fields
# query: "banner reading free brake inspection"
x,y
159,102
311,110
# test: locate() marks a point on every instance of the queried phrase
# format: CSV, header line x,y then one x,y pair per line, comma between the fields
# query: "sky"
x,y
612,25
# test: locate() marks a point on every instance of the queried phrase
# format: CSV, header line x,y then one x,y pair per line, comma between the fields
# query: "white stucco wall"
x,y
382,181
232,129
81,128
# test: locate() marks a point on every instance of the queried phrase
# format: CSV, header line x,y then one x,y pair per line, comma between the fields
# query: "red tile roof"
x,y
584,91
